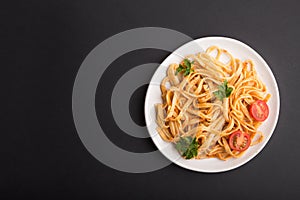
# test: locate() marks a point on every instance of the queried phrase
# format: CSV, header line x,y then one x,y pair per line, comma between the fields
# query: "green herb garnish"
x,y
187,147
187,69
223,91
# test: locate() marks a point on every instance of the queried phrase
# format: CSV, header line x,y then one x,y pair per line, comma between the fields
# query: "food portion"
x,y
210,108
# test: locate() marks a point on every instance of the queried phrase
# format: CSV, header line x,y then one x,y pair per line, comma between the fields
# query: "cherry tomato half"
x,y
259,110
239,141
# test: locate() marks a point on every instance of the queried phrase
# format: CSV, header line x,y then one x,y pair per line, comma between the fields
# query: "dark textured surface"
x,y
46,41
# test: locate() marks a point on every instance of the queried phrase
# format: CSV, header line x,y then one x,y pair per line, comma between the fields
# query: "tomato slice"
x,y
239,141
259,110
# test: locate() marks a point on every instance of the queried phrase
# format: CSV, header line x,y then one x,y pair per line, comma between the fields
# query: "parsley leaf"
x,y
187,69
179,69
223,91
187,63
187,147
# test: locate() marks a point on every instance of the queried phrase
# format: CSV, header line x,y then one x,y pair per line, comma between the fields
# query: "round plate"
x,y
238,50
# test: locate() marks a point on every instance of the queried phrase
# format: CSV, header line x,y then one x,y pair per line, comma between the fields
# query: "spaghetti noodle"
x,y
192,106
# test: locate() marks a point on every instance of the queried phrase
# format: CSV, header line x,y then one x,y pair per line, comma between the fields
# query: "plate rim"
x,y
266,138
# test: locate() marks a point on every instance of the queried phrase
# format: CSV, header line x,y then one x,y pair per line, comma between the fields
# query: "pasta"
x,y
208,100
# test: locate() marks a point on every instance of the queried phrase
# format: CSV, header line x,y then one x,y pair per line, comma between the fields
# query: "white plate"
x,y
238,50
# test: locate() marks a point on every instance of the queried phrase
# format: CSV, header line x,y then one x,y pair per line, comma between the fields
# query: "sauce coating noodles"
x,y
190,107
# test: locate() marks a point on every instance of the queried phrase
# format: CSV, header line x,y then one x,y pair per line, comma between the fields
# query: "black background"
x,y
44,45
